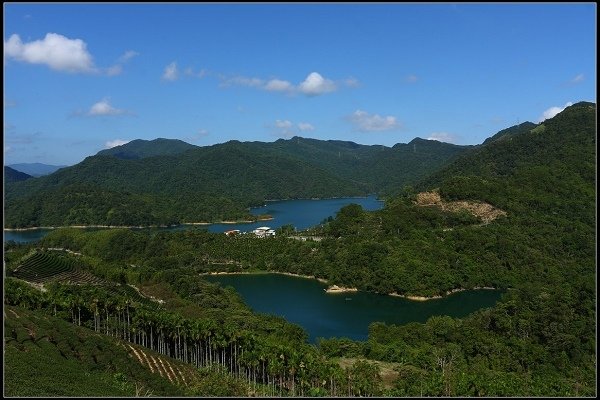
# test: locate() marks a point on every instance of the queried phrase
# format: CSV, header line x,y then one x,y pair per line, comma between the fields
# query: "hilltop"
x,y
139,148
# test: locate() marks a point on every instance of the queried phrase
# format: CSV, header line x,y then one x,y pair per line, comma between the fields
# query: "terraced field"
x,y
176,372
58,266
46,266
43,354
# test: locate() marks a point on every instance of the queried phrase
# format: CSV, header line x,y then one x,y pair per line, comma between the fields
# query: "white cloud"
x,y
412,78
8,149
286,128
352,82
241,81
189,71
114,70
285,124
114,143
56,51
277,85
9,103
103,107
117,69
305,126
578,79
128,55
365,122
315,84
201,133
171,72
552,111
442,137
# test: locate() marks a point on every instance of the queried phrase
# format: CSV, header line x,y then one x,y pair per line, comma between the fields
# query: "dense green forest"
x,y
539,340
165,181
12,175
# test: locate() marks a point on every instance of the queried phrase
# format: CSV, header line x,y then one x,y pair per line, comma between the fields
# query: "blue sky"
x,y
79,78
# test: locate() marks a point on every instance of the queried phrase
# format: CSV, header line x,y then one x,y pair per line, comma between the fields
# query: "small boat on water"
x,y
348,298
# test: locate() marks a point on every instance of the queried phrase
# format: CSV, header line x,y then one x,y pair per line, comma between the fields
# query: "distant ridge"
x,y
36,169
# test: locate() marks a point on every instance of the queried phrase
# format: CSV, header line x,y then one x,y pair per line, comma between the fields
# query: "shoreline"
x,y
449,292
335,289
35,228
265,272
323,198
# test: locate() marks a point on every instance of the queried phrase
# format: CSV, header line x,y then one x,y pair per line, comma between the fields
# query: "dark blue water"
x,y
303,301
302,214
25,236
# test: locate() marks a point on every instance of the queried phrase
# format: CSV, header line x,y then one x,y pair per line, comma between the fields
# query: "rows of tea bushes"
x,y
42,266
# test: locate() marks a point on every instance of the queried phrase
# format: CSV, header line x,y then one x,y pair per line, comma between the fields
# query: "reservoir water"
x,y
303,301
302,214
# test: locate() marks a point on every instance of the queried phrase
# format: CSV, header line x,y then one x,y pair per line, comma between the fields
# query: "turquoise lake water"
x,y
303,301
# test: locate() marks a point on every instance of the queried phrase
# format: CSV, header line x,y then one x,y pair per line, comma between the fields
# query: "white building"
x,y
264,231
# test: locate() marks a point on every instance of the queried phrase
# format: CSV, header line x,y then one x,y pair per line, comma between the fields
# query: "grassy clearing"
x,y
387,370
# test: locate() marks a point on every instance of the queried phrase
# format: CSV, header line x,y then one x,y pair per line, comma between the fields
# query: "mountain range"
x,y
169,181
36,169
166,181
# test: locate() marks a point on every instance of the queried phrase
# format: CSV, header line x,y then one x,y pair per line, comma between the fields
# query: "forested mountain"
x,y
549,170
381,169
513,130
540,247
167,181
147,148
36,169
12,175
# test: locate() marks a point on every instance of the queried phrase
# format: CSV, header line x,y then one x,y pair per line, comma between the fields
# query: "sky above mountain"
x,y
79,78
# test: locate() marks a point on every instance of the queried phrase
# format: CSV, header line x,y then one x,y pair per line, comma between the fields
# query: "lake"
x,y
302,214
303,301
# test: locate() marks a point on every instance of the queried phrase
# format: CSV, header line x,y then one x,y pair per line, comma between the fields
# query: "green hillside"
x,y
548,171
45,356
12,175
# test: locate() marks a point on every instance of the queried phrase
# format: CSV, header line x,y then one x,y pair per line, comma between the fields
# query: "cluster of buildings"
x,y
263,231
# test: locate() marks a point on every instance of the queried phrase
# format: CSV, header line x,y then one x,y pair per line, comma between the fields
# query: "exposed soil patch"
x,y
480,209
